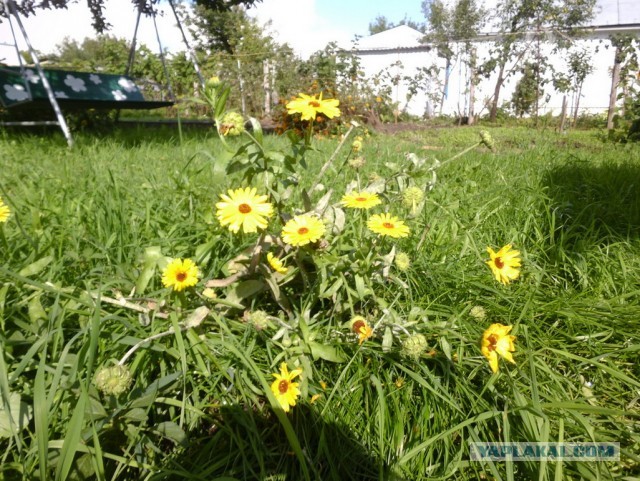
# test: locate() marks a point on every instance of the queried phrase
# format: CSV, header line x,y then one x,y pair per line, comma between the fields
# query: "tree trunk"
x,y
266,85
577,106
493,114
563,114
615,80
446,84
472,86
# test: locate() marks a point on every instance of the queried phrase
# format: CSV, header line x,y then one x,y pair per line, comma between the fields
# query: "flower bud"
x,y
113,380
402,261
487,139
478,313
414,346
356,162
232,124
258,319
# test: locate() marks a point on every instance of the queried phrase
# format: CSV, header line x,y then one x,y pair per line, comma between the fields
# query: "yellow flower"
x,y
243,208
360,326
496,340
5,212
387,224
283,389
180,274
276,264
360,200
309,106
504,264
356,146
303,229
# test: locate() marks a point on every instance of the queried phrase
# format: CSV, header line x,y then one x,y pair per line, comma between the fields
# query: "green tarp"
x,y
72,90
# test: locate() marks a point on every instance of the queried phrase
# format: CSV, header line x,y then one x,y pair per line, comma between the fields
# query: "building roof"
x,y
400,38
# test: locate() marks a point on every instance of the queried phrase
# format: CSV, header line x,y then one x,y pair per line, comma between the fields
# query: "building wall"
x,y
594,96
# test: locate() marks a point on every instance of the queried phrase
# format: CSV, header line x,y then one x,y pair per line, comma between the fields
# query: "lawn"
x,y
93,228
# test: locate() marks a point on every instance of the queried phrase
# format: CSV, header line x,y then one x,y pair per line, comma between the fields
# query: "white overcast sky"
x,y
306,25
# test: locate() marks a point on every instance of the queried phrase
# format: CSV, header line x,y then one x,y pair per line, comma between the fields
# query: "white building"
x,y
400,58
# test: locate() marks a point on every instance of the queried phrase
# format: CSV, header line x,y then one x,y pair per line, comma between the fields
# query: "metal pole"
x,y
162,59
190,51
45,83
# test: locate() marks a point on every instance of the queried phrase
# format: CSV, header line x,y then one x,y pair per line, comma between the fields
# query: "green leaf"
x,y
171,430
16,418
328,353
245,289
36,311
36,267
152,255
257,130
387,339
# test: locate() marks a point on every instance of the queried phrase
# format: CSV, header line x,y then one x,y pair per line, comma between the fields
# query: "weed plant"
x,y
91,229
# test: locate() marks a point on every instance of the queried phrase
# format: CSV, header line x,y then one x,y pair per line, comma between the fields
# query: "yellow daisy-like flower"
x,y
360,200
497,341
180,274
244,208
276,264
360,326
387,224
303,229
308,106
283,389
504,264
5,212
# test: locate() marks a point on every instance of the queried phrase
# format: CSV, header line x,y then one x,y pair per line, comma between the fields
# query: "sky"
x,y
306,25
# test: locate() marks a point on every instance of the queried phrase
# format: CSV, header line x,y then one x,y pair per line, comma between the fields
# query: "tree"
x,y
451,26
527,91
29,7
382,23
555,19
625,61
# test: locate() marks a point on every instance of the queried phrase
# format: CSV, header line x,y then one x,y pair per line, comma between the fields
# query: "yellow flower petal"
x,y
180,274
360,200
496,341
387,224
243,208
285,391
302,230
504,264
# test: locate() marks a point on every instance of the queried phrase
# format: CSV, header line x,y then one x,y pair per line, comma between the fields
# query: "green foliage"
x,y
88,223
516,17
382,23
527,91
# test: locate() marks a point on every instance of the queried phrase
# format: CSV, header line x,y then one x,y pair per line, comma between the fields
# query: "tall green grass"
x,y
198,408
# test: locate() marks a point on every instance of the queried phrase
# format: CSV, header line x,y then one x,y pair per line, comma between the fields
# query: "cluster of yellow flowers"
x,y
245,210
382,224
496,340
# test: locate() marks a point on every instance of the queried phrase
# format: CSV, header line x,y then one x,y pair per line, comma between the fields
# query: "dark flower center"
x,y
283,386
181,276
303,230
499,262
493,342
357,326
388,225
244,208
361,199
314,104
